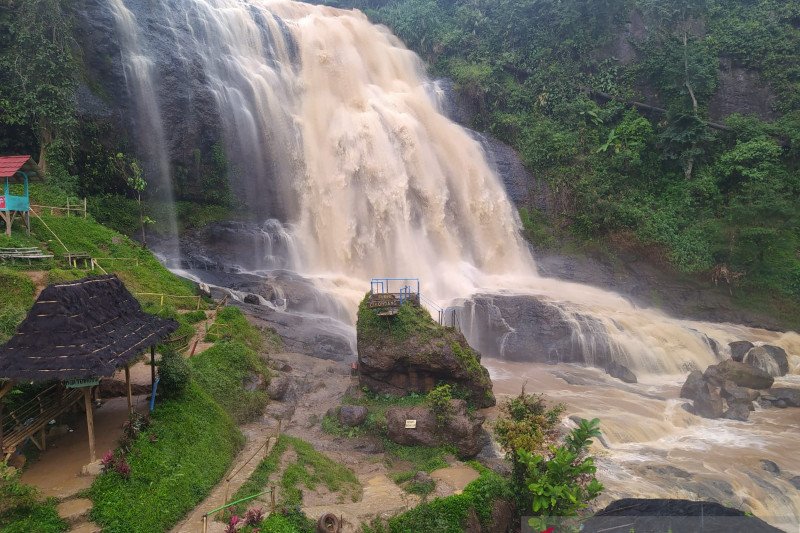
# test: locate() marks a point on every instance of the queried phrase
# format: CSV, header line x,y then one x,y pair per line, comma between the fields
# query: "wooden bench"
x,y
73,258
23,253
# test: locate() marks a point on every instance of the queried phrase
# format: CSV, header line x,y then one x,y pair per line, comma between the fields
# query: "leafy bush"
x,y
562,481
174,372
193,317
438,399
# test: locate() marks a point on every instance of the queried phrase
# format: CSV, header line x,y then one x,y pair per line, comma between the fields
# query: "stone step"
x,y
75,510
86,527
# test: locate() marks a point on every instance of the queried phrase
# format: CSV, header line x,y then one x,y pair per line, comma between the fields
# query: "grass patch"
x,y
410,320
313,468
231,324
194,444
309,470
17,294
447,515
221,371
22,510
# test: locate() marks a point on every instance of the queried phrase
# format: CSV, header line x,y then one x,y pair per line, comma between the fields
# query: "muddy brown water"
x,y
651,446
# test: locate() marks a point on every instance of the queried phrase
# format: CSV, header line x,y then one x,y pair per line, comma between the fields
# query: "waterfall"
x,y
340,138
150,135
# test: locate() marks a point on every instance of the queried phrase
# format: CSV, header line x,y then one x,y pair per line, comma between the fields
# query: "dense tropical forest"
x,y
672,126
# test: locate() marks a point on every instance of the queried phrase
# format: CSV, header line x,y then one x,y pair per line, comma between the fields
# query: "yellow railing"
x,y
161,297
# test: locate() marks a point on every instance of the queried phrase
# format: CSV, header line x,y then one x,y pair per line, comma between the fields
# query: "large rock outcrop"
x,y
741,374
460,429
725,390
409,352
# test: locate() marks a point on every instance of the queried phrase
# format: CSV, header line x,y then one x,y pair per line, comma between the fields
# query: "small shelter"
x,y
75,334
16,169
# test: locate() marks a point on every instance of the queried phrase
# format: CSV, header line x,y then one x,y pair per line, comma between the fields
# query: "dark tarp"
x,y
85,329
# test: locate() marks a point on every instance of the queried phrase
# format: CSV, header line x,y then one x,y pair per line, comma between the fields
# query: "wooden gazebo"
x,y
20,169
75,334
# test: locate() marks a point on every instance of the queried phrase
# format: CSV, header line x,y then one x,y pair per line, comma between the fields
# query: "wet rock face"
x,y
770,359
527,328
741,90
461,430
724,390
739,349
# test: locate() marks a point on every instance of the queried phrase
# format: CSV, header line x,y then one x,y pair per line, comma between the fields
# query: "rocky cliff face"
x,y
411,353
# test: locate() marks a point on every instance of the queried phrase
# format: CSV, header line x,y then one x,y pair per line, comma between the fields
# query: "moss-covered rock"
x,y
410,352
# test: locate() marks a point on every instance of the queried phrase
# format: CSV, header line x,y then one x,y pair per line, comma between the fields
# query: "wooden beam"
x,y
128,388
87,402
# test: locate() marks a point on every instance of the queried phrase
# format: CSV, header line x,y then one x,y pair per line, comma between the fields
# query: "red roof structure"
x,y
11,164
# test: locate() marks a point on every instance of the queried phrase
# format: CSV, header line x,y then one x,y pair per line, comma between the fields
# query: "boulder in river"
x,y
621,372
693,386
708,402
741,374
790,397
771,359
460,429
739,349
638,514
409,352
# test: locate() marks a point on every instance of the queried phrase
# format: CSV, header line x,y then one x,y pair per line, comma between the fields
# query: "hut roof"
x,y
85,329
11,164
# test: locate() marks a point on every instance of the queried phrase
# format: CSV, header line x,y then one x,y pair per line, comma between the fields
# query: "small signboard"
x,y
383,300
2,202
411,424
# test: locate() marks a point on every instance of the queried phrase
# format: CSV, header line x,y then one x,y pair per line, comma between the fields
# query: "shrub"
x,y
562,482
438,400
175,373
193,317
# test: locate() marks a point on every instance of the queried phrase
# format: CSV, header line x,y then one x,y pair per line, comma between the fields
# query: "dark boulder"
x,y
770,466
739,349
738,411
352,415
461,429
741,374
621,372
790,397
708,402
680,515
733,393
411,353
770,359
252,299
693,386
795,481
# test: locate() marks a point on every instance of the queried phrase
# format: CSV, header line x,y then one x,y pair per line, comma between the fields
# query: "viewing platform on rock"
x,y
388,294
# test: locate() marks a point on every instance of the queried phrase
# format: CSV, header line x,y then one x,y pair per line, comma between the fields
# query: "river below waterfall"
x,y
652,447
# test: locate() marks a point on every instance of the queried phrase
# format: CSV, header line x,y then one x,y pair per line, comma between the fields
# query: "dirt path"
x,y
254,450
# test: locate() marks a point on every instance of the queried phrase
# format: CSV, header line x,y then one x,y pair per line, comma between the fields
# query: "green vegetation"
x,y
562,482
448,515
411,320
22,510
174,372
17,294
192,439
193,442
309,469
556,78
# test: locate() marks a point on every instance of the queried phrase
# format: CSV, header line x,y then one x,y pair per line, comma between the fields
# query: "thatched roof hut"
x,y
75,334
85,329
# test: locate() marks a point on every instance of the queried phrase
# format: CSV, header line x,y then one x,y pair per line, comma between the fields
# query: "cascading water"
x,y
346,161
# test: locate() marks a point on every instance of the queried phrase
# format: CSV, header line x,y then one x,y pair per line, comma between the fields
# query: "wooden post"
x,y
152,366
67,205
272,498
87,400
84,208
128,388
